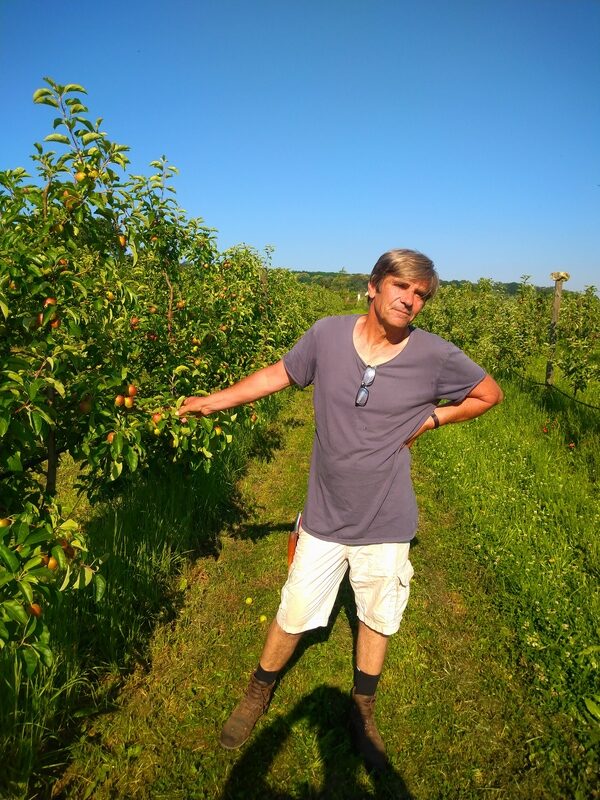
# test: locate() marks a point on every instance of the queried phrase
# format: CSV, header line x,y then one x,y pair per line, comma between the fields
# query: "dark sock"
x,y
365,683
264,676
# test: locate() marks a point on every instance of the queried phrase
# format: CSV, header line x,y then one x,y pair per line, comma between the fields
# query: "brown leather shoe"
x,y
365,735
243,718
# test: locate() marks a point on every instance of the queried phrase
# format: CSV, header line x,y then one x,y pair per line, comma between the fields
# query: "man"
x,y
378,382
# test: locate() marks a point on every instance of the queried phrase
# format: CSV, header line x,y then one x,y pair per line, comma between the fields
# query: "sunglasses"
x,y
363,392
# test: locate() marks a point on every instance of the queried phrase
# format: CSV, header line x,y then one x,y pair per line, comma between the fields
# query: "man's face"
x,y
398,300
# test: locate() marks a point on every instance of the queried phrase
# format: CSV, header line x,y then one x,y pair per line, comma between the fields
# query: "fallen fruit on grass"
x,y
35,610
119,400
110,296
262,618
152,309
134,322
249,601
180,304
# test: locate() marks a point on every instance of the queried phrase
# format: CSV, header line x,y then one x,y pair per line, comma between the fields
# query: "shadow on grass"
x,y
326,710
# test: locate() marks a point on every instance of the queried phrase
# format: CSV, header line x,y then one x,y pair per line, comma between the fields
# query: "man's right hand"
x,y
193,405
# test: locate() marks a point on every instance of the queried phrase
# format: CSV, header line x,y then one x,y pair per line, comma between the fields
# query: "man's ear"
x,y
372,291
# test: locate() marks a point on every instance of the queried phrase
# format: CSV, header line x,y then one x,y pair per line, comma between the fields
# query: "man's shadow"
x,y
326,710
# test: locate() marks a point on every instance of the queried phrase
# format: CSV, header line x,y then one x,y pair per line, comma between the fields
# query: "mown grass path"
x,y
452,711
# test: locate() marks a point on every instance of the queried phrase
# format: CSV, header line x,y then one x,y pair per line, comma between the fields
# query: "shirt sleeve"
x,y
457,376
301,361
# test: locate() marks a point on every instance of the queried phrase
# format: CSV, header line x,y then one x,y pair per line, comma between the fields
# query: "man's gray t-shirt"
x,y
360,489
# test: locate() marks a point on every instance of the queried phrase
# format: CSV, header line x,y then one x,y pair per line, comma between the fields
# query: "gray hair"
x,y
408,264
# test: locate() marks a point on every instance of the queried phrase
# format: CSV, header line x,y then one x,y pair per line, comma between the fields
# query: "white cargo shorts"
x,y
380,576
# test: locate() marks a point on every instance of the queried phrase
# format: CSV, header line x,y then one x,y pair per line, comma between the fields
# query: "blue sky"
x,y
337,129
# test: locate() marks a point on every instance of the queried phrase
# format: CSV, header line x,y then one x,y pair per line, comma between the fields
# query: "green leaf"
x,y
60,556
88,573
57,385
39,93
45,653
90,137
15,611
66,579
26,590
37,422
13,462
116,468
134,252
20,530
57,137
31,660
69,525
74,87
99,586
593,707
132,459
116,447
9,558
4,309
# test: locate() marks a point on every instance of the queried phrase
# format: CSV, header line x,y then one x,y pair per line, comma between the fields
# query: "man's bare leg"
x,y
279,647
371,648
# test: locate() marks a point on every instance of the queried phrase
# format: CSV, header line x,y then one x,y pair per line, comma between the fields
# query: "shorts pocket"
x,y
406,573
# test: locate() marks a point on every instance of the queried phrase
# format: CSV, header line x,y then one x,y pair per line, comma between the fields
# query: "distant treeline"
x,y
343,281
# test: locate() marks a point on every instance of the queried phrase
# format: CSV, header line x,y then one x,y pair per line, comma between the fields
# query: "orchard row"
x,y
113,307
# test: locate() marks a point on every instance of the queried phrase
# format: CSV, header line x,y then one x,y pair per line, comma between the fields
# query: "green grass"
x,y
529,510
462,705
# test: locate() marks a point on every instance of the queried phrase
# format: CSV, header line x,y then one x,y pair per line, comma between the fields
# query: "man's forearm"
x,y
470,408
260,384
484,396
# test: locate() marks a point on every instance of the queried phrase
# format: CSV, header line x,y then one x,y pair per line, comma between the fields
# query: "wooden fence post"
x,y
559,278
